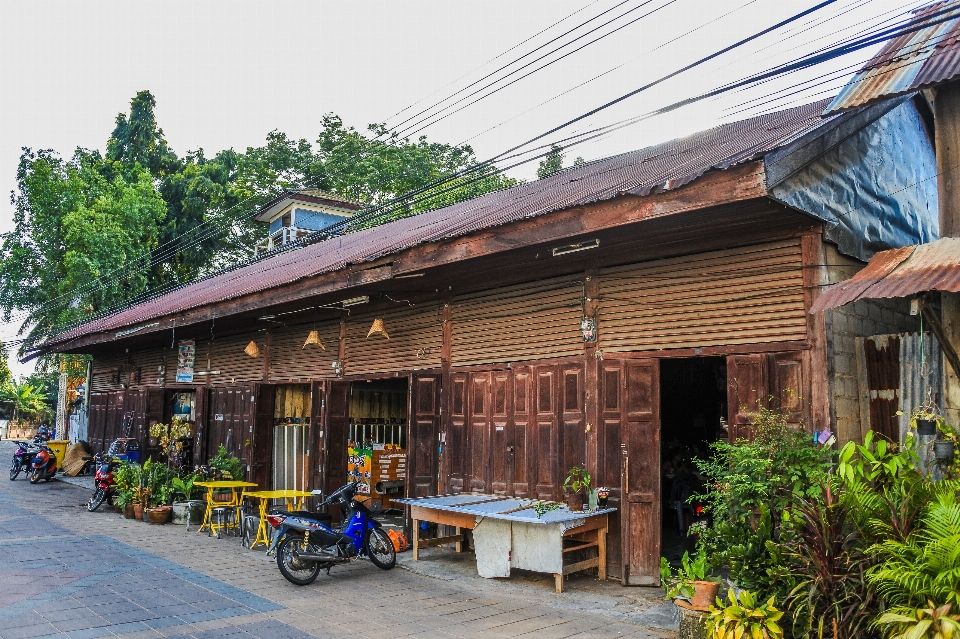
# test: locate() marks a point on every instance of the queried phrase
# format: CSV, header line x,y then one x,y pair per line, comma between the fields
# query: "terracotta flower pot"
x,y
704,594
138,511
575,502
128,511
158,515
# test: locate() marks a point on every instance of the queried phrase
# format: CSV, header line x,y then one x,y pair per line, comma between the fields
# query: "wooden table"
x,y
557,534
294,500
237,489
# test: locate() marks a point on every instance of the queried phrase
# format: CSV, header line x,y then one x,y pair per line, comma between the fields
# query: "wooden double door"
x,y
629,439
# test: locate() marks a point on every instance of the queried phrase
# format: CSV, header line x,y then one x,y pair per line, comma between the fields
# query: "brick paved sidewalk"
x,y
65,572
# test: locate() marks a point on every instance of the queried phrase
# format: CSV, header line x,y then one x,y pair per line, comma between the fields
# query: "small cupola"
x,y
296,214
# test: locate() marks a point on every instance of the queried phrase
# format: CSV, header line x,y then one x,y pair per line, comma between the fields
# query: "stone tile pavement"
x,y
65,572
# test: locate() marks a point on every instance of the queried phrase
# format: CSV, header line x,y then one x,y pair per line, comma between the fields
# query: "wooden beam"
x,y
937,329
716,188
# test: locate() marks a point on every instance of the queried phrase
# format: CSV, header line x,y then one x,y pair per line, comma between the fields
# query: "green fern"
x,y
926,564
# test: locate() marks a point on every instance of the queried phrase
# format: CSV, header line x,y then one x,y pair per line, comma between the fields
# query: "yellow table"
x,y
294,502
237,488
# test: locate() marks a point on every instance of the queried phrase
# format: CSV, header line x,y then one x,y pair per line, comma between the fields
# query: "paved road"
x,y
65,572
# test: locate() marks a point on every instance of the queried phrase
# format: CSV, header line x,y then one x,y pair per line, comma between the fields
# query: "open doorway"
x,y
291,437
693,412
377,440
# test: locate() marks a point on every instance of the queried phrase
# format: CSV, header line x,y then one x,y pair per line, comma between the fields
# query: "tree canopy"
x,y
98,230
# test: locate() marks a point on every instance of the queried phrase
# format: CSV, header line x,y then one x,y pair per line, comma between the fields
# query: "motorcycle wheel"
x,y
15,471
35,477
97,499
297,572
379,547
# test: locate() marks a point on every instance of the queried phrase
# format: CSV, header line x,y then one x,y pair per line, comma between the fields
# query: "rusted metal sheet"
x,y
910,62
654,169
738,296
900,272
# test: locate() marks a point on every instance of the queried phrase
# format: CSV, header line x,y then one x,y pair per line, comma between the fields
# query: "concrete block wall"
x,y
843,326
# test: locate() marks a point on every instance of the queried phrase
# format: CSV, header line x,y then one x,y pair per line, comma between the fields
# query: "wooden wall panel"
x,y
149,366
108,372
203,363
290,361
227,356
738,296
538,320
416,338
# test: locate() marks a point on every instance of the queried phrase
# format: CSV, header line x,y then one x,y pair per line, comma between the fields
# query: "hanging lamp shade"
x,y
377,328
313,338
252,349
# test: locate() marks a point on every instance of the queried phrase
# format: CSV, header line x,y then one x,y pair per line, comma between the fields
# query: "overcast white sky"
x,y
226,73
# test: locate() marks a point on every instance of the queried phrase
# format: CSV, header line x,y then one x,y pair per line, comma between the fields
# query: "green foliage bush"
x,y
227,464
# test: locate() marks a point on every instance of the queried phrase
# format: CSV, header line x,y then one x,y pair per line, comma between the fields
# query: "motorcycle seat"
x,y
305,513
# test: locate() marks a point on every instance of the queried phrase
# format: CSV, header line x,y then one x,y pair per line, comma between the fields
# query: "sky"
x,y
225,74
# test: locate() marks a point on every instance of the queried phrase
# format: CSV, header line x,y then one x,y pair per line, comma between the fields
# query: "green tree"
x,y
5,374
551,163
26,400
75,222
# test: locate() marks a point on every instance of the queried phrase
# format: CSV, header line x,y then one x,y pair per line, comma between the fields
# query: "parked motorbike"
x,y
44,434
22,458
44,465
305,543
103,481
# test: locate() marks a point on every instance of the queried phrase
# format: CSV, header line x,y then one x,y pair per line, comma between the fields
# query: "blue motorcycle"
x,y
305,542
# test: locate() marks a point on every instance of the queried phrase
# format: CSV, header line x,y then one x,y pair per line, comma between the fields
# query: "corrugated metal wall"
x,y
227,356
105,371
289,360
527,322
416,338
738,296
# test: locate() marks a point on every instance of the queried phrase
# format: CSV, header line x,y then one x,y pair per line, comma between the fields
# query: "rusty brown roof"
x,y
900,272
665,166
909,62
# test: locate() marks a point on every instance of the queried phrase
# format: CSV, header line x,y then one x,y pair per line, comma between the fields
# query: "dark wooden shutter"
x,y
522,428
229,419
546,436
261,453
423,442
201,420
641,512
611,453
97,421
881,356
337,422
455,455
788,387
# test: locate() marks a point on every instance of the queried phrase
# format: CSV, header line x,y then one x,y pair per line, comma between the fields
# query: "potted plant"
x,y
577,481
181,488
925,420
933,622
692,581
946,445
742,616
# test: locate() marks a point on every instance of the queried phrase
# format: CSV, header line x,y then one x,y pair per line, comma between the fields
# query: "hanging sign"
x,y
186,355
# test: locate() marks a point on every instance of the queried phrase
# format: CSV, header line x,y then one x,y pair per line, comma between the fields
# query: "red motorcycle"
x,y
103,481
44,465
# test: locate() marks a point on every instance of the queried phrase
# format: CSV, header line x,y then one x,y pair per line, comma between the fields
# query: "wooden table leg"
x,y
558,582
416,540
459,534
602,548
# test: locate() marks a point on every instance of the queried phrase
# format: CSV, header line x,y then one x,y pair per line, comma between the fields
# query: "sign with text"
x,y
186,355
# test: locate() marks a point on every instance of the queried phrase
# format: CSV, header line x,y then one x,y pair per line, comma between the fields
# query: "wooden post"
x,y
416,540
946,110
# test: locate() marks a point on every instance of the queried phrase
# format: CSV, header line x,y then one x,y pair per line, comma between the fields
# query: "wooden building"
x,y
620,314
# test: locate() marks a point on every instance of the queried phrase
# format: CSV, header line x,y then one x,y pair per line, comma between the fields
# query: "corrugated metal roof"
x,y
665,166
900,272
907,63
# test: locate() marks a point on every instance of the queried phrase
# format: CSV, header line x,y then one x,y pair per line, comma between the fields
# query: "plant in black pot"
x,y
925,420
945,448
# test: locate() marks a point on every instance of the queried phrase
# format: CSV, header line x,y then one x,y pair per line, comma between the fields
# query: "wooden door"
x,y
337,423
455,459
97,422
200,421
229,419
747,391
261,449
640,514
522,425
423,440
545,442
611,451
501,450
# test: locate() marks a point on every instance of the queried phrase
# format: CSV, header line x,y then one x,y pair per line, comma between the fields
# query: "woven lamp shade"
x,y
313,338
377,328
252,349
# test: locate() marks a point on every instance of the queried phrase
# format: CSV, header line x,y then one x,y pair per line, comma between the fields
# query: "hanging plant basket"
x,y
944,451
926,427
